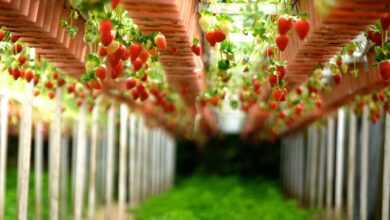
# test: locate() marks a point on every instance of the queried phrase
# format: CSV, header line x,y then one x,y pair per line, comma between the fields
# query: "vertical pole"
x,y
110,157
308,166
80,165
3,149
132,156
38,169
139,171
364,165
145,162
313,164
24,153
55,158
124,114
329,163
321,172
64,182
351,164
153,161
92,163
340,161
301,165
386,171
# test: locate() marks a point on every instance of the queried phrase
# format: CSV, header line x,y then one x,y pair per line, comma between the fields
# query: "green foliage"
x,y
230,198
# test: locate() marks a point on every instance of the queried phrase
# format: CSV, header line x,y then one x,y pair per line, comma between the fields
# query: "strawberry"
x,y
219,35
144,95
60,82
337,78
196,49
256,85
284,25
273,79
49,85
318,103
298,109
135,94
273,105
56,75
113,59
16,74
28,75
137,64
281,70
102,52
130,83
122,52
117,70
299,90
210,37
94,84
114,3
36,92
14,37
282,42
106,38
384,68
282,115
302,28
105,27
101,72
17,48
385,22
269,52
36,79
2,35
135,50
214,100
339,61
51,95
279,95
143,55
144,78
22,60
71,88
160,41
375,37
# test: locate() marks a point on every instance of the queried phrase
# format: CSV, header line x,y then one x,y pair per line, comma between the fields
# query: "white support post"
x,y
138,169
330,163
38,167
153,161
110,158
145,161
340,161
55,159
364,164
301,165
309,149
64,178
351,164
386,172
321,172
80,165
24,152
313,164
92,163
124,114
160,162
132,159
3,150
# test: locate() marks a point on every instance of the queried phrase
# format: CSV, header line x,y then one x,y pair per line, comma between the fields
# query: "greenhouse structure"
x,y
194,109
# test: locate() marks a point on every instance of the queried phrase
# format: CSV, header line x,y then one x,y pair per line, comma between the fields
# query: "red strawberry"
x,y
337,78
160,41
105,27
36,79
137,64
281,70
36,92
56,75
279,95
18,48
302,28
2,35
269,52
219,35
144,95
339,61
113,59
135,49
375,37
214,100
256,85
102,51
122,52
282,42
273,105
51,95
106,38
284,25
196,49
49,85
298,109
94,84
14,37
28,75
117,70
135,94
144,55
273,79
16,74
385,21
210,37
60,82
114,3
299,90
282,115
130,83
101,72
71,88
144,78
384,68
22,60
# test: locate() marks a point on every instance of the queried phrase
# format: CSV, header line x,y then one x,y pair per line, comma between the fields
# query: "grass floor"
x,y
222,198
